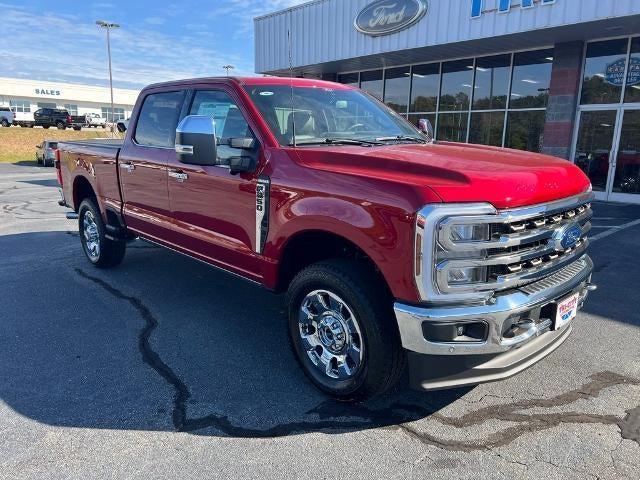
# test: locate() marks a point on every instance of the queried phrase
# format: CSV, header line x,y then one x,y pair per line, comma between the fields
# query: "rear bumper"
x,y
501,354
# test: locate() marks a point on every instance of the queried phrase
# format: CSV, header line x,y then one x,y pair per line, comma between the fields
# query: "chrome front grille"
x,y
520,246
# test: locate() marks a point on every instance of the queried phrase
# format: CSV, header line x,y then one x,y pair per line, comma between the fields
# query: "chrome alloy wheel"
x,y
91,235
330,335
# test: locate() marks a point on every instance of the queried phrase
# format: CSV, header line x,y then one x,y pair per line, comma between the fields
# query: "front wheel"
x,y
5,123
343,331
60,125
100,251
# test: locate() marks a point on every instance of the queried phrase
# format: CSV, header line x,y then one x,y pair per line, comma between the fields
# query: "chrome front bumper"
x,y
456,363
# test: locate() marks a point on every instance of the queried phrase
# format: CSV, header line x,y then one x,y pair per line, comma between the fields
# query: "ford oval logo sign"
x,y
387,16
566,237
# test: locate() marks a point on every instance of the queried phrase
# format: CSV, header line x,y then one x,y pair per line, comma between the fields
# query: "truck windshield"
x,y
312,116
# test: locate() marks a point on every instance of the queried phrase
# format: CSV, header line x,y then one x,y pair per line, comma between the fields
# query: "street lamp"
x,y
227,68
108,26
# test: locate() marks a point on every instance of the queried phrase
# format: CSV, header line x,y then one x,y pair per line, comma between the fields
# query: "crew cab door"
x,y
214,211
142,164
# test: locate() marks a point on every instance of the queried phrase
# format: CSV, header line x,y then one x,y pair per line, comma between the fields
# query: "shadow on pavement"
x,y
42,183
161,343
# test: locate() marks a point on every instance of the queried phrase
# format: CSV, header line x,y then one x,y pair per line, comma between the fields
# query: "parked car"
x,y
122,125
6,116
24,119
94,120
78,121
54,117
45,152
466,261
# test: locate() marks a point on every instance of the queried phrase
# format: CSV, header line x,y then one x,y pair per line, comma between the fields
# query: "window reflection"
x,y
627,179
371,82
531,79
525,130
452,127
595,138
456,85
492,82
425,87
486,128
396,88
632,93
352,79
604,71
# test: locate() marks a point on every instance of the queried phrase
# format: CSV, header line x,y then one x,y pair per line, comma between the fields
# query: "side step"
x,y
71,216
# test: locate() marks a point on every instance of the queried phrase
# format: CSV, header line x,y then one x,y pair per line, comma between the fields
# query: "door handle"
x,y
128,166
179,175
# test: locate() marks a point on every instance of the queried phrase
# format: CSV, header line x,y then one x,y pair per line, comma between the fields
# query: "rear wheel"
x,y
60,125
343,331
101,251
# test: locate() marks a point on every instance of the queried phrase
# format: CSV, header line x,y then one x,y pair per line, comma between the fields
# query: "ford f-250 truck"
x,y
468,262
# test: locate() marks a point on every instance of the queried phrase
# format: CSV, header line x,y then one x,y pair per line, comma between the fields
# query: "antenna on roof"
x,y
293,110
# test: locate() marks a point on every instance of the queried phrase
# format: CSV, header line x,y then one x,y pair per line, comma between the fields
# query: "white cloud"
x,y
154,20
140,55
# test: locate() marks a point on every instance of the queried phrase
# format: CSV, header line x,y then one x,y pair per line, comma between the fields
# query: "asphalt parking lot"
x,y
166,368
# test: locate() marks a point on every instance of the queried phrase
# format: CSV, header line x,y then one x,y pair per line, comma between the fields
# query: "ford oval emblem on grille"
x,y
567,236
383,17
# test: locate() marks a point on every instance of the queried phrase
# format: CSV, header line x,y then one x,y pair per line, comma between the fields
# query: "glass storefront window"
x,y
371,82
627,178
492,82
456,85
415,118
425,86
531,79
352,79
632,93
452,127
20,106
604,71
595,139
396,88
525,130
486,128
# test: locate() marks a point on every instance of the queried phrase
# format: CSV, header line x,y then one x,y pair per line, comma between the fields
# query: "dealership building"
x,y
560,77
27,96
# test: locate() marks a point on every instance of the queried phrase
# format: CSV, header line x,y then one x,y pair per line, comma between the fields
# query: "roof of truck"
x,y
296,82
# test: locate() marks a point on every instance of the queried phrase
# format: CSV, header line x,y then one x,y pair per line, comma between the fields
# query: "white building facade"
x,y
27,96
561,77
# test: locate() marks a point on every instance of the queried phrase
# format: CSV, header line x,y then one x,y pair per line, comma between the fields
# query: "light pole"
x,y
108,26
227,68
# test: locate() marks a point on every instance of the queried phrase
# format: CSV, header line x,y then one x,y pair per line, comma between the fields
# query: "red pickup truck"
x,y
466,262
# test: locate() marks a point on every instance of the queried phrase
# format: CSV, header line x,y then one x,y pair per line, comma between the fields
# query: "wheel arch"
x,y
82,189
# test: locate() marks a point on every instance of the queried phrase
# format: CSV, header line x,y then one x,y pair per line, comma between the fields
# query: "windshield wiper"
x,y
340,141
401,138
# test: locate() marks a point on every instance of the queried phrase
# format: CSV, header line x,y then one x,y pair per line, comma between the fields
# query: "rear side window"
x,y
158,119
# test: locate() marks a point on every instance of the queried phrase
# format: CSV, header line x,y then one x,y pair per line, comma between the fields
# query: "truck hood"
x,y
457,172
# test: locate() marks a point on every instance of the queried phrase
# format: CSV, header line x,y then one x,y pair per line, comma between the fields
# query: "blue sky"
x,y
158,41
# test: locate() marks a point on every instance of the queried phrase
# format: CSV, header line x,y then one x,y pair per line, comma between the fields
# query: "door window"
x,y
595,139
627,177
229,120
158,119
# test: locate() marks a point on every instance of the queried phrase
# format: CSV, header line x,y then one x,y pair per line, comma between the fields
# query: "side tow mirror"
x,y
424,125
240,164
196,140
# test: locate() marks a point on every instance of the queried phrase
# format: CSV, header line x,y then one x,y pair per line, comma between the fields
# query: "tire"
x,y
365,321
37,159
103,126
46,126
5,123
77,129
31,125
60,126
109,253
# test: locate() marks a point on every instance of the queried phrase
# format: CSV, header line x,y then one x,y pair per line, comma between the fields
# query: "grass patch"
x,y
19,144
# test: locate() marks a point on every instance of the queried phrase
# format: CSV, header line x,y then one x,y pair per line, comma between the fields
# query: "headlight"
x,y
466,275
469,233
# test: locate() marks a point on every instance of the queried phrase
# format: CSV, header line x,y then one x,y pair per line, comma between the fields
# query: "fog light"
x,y
467,275
469,233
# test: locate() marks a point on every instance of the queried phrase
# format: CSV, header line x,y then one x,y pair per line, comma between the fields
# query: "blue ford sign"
x,y
388,16
614,72
503,6
566,237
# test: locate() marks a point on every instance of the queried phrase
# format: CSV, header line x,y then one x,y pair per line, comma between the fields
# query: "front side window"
x,y
229,120
306,115
158,119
